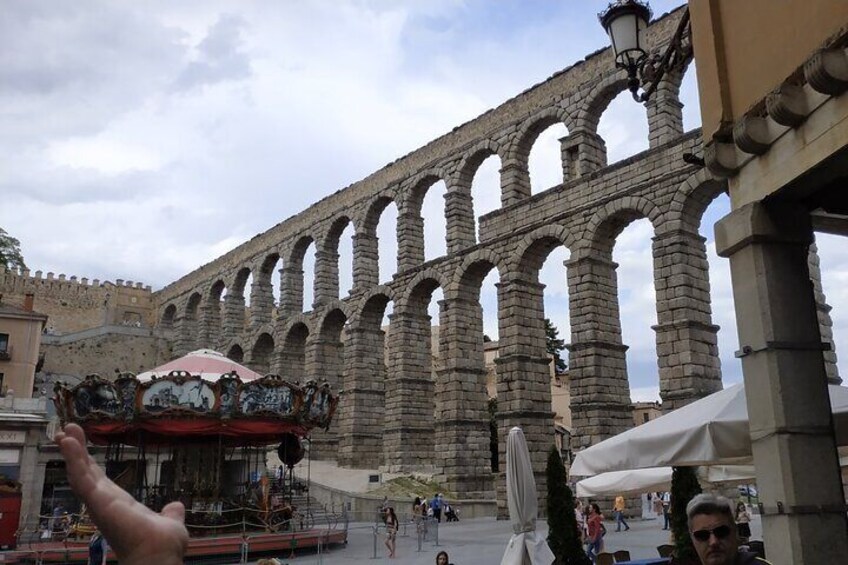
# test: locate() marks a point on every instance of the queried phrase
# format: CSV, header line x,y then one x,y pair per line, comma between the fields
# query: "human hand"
x,y
136,534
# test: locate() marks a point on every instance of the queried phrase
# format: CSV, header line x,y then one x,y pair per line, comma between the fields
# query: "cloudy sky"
x,y
139,140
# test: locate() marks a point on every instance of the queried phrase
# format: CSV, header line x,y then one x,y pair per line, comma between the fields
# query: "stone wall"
x,y
75,304
104,350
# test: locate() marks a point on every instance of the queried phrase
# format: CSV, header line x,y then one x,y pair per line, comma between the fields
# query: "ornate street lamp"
x,y
625,22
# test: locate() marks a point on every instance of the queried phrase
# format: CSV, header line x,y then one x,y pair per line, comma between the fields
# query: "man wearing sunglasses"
x,y
713,532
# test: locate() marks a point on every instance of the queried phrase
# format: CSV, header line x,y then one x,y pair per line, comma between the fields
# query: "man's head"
x,y
712,529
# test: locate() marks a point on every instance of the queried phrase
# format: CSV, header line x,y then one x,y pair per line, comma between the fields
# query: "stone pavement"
x,y
478,542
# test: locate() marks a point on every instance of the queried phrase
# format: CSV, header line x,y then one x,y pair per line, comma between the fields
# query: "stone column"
x,y
523,379
366,266
462,418
261,301
665,112
825,322
362,406
233,317
291,295
210,322
597,371
32,473
408,441
459,212
588,148
292,359
326,277
187,332
792,438
687,340
515,181
325,361
410,234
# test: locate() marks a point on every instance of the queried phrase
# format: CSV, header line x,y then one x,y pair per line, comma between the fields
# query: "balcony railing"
x,y
6,354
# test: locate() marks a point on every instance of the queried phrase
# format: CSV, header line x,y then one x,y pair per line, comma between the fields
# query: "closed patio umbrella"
x,y
526,546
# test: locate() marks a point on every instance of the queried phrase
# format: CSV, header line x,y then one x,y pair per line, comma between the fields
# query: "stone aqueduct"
x,y
386,416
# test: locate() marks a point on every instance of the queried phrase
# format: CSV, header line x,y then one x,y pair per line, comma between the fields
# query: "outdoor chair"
x,y
621,555
757,546
665,550
605,558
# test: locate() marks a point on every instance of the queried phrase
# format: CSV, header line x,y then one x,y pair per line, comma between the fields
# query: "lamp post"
x,y
625,22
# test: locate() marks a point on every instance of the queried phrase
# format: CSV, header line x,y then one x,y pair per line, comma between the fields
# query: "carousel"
x,y
198,430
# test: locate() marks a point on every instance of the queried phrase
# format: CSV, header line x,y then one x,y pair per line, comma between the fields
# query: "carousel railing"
x,y
75,529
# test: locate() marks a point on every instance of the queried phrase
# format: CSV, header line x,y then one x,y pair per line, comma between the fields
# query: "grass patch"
x,y
410,486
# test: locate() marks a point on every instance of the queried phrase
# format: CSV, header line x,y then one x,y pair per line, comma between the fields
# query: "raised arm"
x,y
138,535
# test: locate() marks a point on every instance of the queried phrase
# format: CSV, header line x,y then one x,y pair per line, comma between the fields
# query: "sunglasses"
x,y
704,535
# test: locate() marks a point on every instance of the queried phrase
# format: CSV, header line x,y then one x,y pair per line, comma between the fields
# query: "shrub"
x,y
563,535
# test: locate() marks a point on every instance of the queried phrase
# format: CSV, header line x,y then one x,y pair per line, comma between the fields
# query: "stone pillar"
x,y
515,181
523,379
326,277
325,361
291,295
687,340
665,112
462,418
588,148
366,265
408,442
792,438
459,212
825,323
292,360
32,473
261,301
410,234
361,409
233,317
569,155
597,370
187,332
210,322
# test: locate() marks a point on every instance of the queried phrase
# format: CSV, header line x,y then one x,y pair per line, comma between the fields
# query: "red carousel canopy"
x,y
202,397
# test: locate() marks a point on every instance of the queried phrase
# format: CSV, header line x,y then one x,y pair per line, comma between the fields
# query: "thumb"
x,y
174,511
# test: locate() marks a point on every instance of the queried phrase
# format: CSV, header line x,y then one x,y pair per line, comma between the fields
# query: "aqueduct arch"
x,y
387,416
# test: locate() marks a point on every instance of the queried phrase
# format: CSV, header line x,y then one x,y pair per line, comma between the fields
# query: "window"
x,y
646,417
4,342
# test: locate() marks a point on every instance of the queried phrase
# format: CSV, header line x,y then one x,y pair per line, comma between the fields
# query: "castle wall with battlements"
x,y
75,304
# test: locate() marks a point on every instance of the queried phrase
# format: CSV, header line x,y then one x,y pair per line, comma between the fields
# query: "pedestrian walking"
x,y
618,512
97,549
666,508
391,531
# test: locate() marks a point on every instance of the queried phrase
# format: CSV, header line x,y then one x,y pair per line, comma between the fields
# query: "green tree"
x,y
554,345
563,537
10,252
684,487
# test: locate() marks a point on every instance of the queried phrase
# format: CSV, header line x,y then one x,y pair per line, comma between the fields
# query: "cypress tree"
x,y
563,537
684,487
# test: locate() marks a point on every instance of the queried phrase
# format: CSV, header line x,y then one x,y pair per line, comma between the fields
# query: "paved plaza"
x,y
479,542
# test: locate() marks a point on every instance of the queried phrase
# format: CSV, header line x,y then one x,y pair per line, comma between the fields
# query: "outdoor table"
x,y
649,561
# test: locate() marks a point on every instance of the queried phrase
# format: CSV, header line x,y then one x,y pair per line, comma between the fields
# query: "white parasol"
x,y
526,546
710,431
